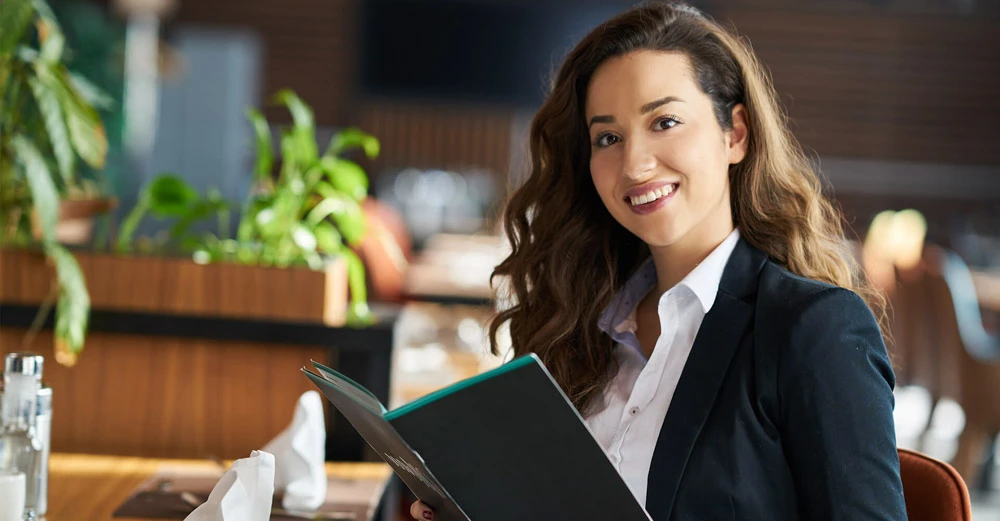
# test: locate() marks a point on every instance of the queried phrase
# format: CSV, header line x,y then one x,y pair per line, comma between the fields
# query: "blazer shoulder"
x,y
789,299
783,289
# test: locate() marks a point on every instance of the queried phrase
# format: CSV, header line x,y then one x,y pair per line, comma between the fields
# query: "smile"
x,y
649,198
651,195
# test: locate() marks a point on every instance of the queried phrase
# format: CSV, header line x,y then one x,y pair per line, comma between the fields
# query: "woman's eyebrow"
x,y
645,109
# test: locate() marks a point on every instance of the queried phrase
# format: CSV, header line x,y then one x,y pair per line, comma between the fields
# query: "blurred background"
x,y
895,99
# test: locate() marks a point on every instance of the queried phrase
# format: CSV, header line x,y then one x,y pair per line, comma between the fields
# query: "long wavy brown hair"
x,y
569,257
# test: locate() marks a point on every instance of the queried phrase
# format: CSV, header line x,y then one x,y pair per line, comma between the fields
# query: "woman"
x,y
679,272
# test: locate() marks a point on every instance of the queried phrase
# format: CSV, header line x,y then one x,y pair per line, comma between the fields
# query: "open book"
x,y
506,444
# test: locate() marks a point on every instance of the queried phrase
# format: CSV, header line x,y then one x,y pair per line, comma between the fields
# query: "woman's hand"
x,y
421,511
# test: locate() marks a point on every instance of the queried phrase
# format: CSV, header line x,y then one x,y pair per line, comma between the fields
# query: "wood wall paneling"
x,y
165,397
915,88
441,136
859,80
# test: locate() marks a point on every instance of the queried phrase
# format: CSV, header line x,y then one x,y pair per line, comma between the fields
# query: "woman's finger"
x,y
421,511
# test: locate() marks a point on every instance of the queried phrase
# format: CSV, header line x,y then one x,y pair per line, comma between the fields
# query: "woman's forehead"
x,y
626,83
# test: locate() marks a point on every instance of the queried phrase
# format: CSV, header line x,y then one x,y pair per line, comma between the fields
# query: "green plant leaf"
x,y
26,54
325,208
51,37
304,238
346,176
304,127
328,239
353,138
248,222
91,93
48,104
169,195
222,211
291,156
131,223
265,156
199,210
73,310
85,128
43,191
15,18
350,221
358,312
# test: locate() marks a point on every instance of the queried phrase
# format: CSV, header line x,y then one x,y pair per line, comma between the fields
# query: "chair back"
x,y
933,490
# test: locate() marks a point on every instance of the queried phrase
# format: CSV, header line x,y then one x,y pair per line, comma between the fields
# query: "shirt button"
x,y
633,411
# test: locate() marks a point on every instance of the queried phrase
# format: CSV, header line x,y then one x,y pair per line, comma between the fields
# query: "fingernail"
x,y
428,515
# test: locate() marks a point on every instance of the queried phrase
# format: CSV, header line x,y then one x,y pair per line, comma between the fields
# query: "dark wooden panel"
x,y
165,397
911,82
916,88
442,136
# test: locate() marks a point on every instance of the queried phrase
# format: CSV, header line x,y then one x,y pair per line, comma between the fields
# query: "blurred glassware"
x,y
12,492
434,201
20,447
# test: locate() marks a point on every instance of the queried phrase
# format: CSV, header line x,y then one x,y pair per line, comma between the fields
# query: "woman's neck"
x,y
675,261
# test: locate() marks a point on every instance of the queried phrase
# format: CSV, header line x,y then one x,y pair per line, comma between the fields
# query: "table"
x,y
84,487
455,269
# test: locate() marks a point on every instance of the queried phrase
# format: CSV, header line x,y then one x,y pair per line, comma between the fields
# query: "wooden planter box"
x,y
179,286
160,396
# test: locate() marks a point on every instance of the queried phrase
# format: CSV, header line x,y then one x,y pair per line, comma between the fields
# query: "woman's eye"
x,y
605,140
666,123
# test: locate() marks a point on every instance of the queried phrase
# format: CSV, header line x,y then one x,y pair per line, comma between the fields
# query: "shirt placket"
x,y
649,378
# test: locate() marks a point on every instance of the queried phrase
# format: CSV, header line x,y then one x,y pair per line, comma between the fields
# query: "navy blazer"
x,y
783,410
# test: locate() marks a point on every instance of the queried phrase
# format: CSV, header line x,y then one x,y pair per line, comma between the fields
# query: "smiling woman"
x,y
661,166
676,267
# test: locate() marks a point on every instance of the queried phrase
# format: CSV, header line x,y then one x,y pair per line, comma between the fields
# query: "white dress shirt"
x,y
626,420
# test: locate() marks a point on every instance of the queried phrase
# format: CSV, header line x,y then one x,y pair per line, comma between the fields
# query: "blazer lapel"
x,y
714,346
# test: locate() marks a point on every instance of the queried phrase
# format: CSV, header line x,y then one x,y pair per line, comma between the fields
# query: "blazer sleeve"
x,y
835,397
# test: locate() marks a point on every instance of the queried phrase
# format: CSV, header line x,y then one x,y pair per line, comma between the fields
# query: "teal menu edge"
x,y
519,362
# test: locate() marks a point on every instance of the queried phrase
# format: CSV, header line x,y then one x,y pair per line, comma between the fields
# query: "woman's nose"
x,y
639,160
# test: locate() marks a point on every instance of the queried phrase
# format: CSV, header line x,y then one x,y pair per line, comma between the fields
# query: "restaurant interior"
x,y
156,255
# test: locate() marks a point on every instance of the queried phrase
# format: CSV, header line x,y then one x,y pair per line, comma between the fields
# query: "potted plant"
x,y
49,126
310,212
307,215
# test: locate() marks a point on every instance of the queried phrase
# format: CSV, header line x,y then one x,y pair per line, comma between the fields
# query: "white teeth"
x,y
651,196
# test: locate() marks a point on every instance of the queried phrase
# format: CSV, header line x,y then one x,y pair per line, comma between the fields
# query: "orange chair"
x,y
933,489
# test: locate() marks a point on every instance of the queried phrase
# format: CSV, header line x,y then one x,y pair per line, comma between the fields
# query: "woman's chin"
x,y
659,238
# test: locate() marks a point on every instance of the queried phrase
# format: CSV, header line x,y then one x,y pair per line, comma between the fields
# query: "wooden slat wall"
x,y
917,88
439,136
860,80
161,397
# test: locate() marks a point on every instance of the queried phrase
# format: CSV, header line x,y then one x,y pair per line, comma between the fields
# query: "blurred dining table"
x,y
85,487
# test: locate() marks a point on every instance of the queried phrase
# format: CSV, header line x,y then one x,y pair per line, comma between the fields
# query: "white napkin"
x,y
299,456
243,494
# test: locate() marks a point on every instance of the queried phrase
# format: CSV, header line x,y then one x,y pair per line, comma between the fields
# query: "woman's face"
x,y
659,158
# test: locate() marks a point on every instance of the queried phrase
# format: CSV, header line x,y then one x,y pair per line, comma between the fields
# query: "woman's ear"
x,y
738,137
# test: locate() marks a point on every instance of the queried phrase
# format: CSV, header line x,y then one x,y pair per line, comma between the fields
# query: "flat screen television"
x,y
491,51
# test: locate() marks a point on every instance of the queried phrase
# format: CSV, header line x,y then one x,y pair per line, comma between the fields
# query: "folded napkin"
x,y
299,456
243,494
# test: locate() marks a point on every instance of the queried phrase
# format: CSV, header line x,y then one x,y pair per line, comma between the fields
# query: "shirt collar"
x,y
617,320
705,278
